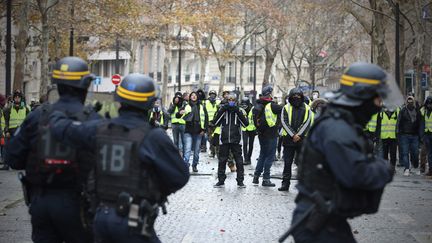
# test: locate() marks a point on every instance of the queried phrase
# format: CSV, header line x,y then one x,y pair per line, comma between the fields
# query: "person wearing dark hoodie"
x,y
231,118
158,116
409,131
177,124
296,119
265,115
196,119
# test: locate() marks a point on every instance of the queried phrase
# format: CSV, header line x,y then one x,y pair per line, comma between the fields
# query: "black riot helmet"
x,y
364,81
73,72
295,91
137,90
428,100
267,90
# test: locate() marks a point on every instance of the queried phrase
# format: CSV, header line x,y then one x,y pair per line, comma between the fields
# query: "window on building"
x,y
95,67
150,59
106,68
230,72
251,72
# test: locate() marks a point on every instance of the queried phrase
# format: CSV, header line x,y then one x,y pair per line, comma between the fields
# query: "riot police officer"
x,y
55,173
339,177
137,165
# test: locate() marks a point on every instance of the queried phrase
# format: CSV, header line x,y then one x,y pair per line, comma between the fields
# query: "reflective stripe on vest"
x,y
388,125
188,109
427,120
212,108
251,127
161,116
371,125
16,117
175,120
271,117
307,116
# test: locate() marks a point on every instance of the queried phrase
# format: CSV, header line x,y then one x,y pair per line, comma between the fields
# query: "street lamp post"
x,y
255,69
179,60
8,47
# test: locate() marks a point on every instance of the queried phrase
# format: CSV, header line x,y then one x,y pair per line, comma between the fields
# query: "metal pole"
x,y
117,63
397,56
255,70
179,65
71,35
8,47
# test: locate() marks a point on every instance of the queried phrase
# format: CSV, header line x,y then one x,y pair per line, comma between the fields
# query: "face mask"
x,y
410,106
314,96
296,102
156,109
231,103
212,98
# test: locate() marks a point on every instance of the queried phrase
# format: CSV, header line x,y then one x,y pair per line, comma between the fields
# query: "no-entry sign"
x,y
116,79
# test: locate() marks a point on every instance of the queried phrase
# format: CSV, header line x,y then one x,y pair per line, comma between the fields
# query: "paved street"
x,y
201,213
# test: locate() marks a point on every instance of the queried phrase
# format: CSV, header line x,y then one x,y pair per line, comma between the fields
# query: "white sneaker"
x,y
417,171
406,172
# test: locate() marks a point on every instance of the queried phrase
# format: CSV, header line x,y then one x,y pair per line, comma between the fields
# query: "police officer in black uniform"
x,y
55,173
137,165
339,177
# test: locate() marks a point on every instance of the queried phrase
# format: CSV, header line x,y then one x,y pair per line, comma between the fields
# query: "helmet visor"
x,y
391,94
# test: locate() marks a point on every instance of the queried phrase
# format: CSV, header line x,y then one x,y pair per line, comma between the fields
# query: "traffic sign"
x,y
98,80
116,79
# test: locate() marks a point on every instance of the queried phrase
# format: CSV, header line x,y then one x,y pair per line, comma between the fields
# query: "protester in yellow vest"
x,y
388,126
265,119
296,119
426,112
177,123
196,119
249,132
157,116
212,106
14,116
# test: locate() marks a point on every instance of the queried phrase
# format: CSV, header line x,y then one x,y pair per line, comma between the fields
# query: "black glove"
x,y
97,106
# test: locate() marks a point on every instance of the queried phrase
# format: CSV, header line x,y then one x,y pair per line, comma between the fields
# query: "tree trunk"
x,y
269,60
45,55
242,63
166,63
133,66
383,57
20,46
222,77
312,71
203,63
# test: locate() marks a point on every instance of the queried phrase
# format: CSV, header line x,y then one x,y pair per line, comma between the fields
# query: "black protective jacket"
x,y
406,126
231,119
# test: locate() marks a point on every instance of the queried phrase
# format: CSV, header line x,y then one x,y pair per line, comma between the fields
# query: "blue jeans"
x,y
427,139
192,141
178,131
409,146
266,156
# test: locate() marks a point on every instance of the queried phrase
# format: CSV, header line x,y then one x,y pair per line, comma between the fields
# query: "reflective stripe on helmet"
x,y
350,80
132,95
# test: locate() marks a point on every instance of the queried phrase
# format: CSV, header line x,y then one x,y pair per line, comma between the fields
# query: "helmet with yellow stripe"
x,y
361,82
137,90
72,71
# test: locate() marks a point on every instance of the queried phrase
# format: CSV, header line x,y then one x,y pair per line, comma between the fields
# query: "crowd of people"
x,y
114,174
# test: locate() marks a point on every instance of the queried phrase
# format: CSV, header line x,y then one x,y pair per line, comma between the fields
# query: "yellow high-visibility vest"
x,y
161,116
388,125
175,120
271,117
251,126
212,108
371,125
16,118
188,109
427,120
289,111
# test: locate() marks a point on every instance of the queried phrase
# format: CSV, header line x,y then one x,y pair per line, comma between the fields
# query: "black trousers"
x,y
55,217
289,152
248,144
390,146
224,151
